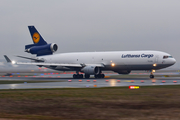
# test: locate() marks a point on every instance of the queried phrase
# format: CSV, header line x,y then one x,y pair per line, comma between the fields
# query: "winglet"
x,y
7,59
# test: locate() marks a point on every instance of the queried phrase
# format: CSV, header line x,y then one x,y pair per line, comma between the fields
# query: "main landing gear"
x,y
99,76
76,76
87,76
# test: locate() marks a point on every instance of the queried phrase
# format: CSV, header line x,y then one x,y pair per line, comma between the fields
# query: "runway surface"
x,y
65,81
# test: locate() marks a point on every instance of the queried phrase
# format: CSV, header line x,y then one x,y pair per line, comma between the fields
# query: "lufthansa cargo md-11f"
x,y
93,63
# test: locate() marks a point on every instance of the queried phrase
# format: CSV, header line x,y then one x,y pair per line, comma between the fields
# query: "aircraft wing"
x,y
58,64
52,64
48,64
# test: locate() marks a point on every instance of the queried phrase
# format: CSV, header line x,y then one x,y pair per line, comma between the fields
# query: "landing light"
x,y
112,64
154,65
13,62
153,71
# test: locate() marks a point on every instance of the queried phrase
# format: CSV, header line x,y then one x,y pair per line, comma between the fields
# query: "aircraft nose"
x,y
173,61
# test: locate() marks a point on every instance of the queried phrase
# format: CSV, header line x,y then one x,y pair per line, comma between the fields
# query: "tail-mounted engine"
x,y
41,50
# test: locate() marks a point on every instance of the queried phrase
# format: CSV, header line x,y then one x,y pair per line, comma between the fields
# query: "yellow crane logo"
x,y
36,37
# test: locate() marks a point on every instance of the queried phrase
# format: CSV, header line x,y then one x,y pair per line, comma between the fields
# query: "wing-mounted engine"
x,y
41,50
91,70
123,71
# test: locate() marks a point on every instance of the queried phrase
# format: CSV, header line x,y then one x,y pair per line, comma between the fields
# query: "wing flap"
x,y
52,64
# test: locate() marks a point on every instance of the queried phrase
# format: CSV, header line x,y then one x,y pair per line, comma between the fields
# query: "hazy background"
x,y
92,25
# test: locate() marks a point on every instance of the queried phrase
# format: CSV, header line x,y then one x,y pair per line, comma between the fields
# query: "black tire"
x,y
81,76
99,75
74,76
87,76
151,76
77,76
95,76
102,75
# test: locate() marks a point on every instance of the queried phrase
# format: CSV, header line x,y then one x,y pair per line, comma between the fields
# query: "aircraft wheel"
x,y
78,76
74,76
151,76
96,76
102,75
87,76
99,75
81,76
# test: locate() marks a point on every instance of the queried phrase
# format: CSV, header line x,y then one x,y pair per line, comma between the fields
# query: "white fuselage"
x,y
114,60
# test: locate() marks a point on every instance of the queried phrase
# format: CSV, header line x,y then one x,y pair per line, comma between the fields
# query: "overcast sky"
x,y
92,25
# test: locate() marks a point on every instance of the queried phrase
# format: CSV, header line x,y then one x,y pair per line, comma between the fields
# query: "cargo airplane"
x,y
92,63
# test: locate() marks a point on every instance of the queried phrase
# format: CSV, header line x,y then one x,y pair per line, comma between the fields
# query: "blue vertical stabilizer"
x,y
40,46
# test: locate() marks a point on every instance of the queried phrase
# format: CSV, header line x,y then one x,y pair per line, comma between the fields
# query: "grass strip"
x,y
148,102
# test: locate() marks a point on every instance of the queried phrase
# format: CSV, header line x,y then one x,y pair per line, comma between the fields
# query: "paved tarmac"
x,y
67,82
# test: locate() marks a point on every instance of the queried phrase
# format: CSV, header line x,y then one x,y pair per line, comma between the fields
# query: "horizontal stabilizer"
x,y
7,59
37,60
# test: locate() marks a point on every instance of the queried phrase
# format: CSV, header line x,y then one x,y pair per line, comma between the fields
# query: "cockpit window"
x,y
165,57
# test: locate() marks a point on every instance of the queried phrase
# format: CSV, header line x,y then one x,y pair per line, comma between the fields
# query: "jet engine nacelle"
x,y
123,71
91,70
43,49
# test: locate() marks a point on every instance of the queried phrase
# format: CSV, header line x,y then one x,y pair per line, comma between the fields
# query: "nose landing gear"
x,y
151,75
